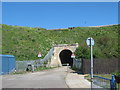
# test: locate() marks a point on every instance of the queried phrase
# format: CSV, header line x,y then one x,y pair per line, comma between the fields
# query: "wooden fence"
x,y
101,66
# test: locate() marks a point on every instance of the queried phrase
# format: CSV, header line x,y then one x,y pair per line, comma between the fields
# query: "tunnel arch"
x,y
65,57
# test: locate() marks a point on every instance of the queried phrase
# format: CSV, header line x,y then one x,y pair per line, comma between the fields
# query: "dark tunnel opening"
x,y
65,57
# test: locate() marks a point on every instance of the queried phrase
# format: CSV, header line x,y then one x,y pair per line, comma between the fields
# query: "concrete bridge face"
x,y
62,54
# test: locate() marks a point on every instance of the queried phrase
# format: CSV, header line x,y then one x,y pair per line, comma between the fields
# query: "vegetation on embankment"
x,y
36,70
109,76
26,42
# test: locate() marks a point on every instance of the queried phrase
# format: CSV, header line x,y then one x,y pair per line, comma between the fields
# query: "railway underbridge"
x,y
62,54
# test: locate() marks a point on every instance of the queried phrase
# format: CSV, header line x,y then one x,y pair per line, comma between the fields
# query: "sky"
x,y
56,15
60,0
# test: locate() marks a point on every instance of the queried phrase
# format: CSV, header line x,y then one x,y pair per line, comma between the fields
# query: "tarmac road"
x,y
54,78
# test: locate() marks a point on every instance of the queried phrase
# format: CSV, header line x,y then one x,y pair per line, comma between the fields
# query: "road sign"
x,y
72,56
90,41
39,54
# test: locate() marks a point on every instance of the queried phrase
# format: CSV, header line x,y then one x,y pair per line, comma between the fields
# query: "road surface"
x,y
54,78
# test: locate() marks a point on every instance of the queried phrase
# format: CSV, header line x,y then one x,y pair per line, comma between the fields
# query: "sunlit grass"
x,y
36,70
25,42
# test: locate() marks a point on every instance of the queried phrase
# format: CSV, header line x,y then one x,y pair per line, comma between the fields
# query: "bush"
x,y
82,52
117,73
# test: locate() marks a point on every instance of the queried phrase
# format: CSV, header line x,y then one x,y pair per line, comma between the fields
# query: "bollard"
x,y
33,69
67,67
112,83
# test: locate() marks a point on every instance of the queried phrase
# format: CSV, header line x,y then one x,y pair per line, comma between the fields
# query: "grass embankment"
x,y
26,42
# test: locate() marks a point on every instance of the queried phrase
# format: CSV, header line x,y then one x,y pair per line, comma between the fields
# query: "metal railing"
x,y
48,55
77,65
22,65
101,82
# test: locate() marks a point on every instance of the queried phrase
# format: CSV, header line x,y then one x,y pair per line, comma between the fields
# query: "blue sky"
x,y
51,15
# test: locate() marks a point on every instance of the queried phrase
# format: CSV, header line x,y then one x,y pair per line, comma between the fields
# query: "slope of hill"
x,y
26,42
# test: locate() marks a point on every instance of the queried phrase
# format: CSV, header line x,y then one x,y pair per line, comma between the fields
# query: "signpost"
x,y
39,55
90,43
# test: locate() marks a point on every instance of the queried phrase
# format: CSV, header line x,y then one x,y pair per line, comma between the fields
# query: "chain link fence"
x,y
77,65
22,65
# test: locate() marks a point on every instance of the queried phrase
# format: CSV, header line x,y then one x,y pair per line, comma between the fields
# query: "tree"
x,y
82,52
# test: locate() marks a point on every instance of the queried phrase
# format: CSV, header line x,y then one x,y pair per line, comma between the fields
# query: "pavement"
x,y
54,78
75,80
61,77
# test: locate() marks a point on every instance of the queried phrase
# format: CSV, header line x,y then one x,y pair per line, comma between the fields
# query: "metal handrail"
x,y
102,78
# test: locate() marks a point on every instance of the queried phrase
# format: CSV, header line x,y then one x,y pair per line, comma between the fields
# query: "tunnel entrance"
x,y
65,57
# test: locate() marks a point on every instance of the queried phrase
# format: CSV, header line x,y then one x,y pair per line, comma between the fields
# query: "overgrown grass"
x,y
26,42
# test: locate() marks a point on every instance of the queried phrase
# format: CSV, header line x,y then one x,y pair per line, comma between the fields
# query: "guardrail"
x,y
104,82
22,65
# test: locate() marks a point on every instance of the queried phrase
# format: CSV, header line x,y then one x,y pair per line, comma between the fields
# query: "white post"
x,y
33,69
90,43
91,61
67,67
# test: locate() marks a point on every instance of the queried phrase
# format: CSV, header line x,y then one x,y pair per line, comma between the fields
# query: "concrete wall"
x,y
55,60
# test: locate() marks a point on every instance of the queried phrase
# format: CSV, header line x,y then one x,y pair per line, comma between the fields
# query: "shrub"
x,y
82,52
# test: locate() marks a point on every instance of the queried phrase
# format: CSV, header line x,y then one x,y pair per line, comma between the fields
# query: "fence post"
x,y
112,83
82,67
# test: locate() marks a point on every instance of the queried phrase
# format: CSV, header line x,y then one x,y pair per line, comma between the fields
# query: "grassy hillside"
x,y
26,42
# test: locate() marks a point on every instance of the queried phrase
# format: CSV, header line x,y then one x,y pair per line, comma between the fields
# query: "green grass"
x,y
36,70
19,72
44,68
118,86
26,42
109,76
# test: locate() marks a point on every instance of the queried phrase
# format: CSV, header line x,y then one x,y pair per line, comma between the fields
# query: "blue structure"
x,y
7,64
105,82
